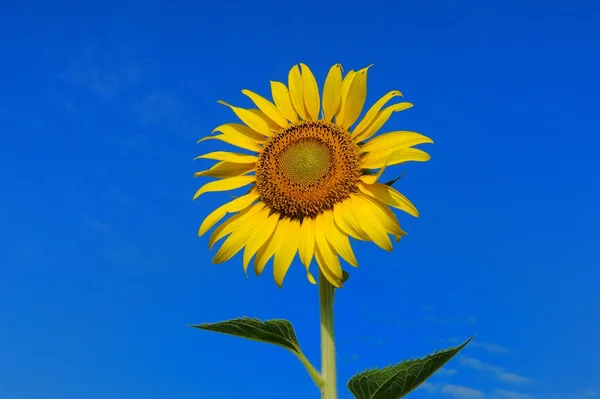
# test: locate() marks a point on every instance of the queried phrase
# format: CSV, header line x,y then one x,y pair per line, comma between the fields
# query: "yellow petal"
x,y
389,196
324,262
370,223
225,184
331,263
233,223
263,232
310,277
224,170
346,83
268,249
381,215
233,157
236,205
238,141
296,91
347,221
281,98
354,100
394,141
381,118
287,250
373,111
332,92
370,179
338,240
273,127
306,246
312,101
238,238
267,107
237,129
396,231
376,160
252,120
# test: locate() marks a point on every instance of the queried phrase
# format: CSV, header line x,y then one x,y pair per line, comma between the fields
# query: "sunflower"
x,y
314,178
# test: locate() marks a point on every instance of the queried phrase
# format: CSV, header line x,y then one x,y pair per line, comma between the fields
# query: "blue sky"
x,y
101,104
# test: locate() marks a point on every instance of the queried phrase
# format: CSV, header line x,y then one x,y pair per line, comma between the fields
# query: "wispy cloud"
x,y
452,340
157,106
350,358
575,394
504,394
404,323
119,73
489,347
446,372
462,392
438,320
429,387
471,320
371,340
513,378
97,225
499,372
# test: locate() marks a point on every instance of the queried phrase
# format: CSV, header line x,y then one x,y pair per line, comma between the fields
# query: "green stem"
x,y
328,371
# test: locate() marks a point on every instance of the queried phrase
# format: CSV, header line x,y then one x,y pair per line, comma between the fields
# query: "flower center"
x,y
307,168
305,161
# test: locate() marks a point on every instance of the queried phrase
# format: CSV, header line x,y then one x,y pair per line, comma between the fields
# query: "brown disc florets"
x,y
307,168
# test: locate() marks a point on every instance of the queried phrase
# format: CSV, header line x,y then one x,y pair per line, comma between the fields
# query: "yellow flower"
x,y
313,179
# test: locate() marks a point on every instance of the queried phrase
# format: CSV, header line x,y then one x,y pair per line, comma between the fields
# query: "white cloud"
x,y
471,320
499,372
446,372
512,378
120,75
576,394
451,340
373,340
504,394
429,387
98,226
461,392
492,348
438,320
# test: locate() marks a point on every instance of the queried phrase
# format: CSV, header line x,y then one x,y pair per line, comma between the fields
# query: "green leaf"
x,y
277,332
345,276
391,182
394,382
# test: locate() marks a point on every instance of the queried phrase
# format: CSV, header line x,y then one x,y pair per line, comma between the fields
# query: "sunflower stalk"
x,y
328,367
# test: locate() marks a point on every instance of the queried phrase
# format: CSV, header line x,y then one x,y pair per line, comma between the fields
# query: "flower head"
x,y
314,178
